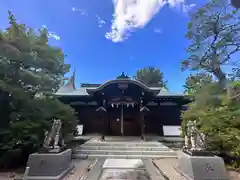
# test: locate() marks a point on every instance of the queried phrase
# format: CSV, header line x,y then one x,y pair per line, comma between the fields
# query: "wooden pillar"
x,y
142,126
102,112
143,112
103,119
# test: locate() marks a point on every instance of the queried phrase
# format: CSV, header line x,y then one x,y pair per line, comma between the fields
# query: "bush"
x,y
219,118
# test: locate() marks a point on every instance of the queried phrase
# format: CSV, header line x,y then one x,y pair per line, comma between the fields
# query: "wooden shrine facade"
x,y
123,107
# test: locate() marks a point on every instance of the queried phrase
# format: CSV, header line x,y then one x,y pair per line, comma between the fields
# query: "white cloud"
x,y
53,35
100,22
81,11
131,14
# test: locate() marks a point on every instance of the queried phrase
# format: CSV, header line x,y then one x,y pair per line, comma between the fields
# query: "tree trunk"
x,y
221,76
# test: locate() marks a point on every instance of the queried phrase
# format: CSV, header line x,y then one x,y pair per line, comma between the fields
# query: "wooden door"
x,y
131,122
115,121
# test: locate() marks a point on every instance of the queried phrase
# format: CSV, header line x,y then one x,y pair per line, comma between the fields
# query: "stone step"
x,y
128,152
121,148
94,156
124,144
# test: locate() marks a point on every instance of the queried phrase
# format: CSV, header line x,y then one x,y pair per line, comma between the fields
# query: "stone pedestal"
x,y
201,167
49,166
197,152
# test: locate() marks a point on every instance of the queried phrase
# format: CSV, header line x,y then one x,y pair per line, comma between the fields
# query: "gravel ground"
x,y
13,175
10,176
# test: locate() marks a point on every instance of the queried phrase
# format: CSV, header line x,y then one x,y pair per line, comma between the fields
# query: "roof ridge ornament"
x,y
123,76
71,81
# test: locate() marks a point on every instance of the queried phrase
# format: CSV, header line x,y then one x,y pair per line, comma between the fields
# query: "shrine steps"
x,y
129,150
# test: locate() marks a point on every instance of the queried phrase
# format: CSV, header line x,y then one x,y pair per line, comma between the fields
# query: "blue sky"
x,y
79,27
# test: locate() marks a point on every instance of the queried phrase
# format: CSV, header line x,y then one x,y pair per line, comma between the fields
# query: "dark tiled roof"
x,y
82,91
69,88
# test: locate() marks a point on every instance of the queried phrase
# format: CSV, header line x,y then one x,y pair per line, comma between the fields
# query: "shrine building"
x,y
124,107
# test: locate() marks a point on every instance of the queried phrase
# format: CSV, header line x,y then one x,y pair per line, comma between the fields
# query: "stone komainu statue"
x,y
53,140
194,139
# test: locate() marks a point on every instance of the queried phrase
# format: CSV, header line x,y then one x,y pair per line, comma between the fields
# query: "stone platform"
x,y
123,169
201,167
49,166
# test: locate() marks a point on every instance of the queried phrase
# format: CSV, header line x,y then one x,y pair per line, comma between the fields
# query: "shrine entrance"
x,y
123,120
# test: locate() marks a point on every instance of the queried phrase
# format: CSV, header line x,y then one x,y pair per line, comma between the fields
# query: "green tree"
x,y
213,31
195,82
217,116
151,76
30,71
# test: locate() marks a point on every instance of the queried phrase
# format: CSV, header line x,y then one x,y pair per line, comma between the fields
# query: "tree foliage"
x,y
196,82
151,76
218,116
30,71
214,34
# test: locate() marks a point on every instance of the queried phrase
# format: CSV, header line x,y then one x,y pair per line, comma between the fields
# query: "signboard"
x,y
172,130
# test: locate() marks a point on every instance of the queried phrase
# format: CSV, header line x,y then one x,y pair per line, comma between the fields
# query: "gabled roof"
x,y
83,91
69,88
165,92
129,81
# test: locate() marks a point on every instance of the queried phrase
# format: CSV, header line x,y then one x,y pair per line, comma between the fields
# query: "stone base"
x,y
46,150
49,166
197,152
201,167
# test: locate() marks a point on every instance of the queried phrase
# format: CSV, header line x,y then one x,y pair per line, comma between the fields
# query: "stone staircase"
x,y
123,149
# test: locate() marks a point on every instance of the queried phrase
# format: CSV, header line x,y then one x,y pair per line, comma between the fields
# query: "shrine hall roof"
x,y
70,90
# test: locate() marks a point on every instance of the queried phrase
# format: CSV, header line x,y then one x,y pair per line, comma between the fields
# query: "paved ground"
x,y
124,174
81,166
166,166
80,169
124,169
